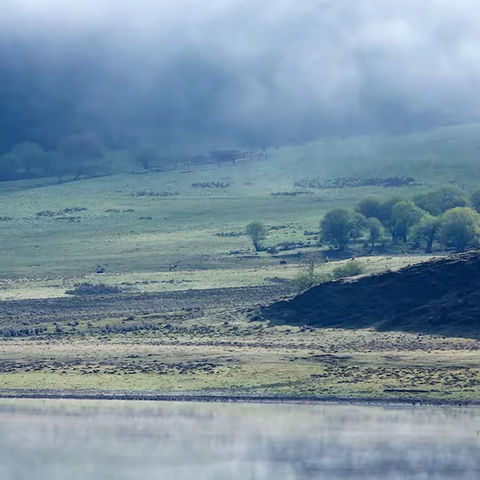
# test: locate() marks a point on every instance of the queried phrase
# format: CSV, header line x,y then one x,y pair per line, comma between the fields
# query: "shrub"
x,y
309,278
349,269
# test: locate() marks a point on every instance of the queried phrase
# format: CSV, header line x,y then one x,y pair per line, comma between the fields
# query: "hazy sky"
x,y
286,68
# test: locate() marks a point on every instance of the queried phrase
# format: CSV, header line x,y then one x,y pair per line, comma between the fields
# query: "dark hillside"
x,y
441,296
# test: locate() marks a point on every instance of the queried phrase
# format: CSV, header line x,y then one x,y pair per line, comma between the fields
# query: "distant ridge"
x,y
440,296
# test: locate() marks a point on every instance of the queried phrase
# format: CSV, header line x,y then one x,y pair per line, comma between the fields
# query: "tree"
x,y
441,200
428,229
385,215
81,150
475,200
359,224
338,226
32,157
146,156
370,206
375,231
10,165
460,227
404,216
257,232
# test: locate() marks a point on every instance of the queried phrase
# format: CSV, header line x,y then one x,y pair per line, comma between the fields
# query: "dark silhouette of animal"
x,y
173,268
100,269
283,262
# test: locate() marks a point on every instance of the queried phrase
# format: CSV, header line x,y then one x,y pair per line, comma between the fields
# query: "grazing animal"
x,y
283,262
100,269
173,268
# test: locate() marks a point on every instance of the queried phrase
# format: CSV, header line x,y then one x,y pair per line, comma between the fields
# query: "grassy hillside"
x,y
128,232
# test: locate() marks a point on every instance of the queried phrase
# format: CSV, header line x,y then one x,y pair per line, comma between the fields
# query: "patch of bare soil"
x,y
440,296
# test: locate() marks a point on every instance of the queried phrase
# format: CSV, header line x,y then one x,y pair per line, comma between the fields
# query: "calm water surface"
x,y
74,440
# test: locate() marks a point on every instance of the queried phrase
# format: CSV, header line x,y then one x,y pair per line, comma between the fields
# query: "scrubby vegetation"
x,y
310,276
349,269
355,182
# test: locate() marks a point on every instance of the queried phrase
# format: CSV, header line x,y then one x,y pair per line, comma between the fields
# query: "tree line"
x,y
76,155
447,215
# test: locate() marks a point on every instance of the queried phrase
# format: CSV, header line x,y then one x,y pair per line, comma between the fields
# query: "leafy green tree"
x,y
370,206
338,226
475,200
460,227
404,216
428,230
386,215
441,200
375,230
257,233
359,224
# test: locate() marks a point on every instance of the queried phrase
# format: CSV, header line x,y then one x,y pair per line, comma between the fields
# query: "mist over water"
x,y
85,440
263,73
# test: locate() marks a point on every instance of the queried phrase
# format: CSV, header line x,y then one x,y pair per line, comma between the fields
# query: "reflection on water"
x,y
60,440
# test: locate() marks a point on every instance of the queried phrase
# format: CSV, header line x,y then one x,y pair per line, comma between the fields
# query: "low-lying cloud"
x,y
260,72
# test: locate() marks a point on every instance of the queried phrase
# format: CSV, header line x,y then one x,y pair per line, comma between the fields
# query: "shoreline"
x,y
247,399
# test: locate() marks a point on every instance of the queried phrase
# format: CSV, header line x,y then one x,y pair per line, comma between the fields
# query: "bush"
x,y
309,278
460,227
349,269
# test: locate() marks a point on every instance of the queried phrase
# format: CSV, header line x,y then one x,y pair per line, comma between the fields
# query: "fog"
x,y
264,73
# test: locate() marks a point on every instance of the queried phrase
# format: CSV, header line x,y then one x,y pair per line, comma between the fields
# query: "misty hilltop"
x,y
261,74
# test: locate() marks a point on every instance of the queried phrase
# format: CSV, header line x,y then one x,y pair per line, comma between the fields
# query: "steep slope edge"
x,y
439,296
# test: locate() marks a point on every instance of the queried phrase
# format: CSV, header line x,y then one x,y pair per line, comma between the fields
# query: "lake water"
x,y
76,440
